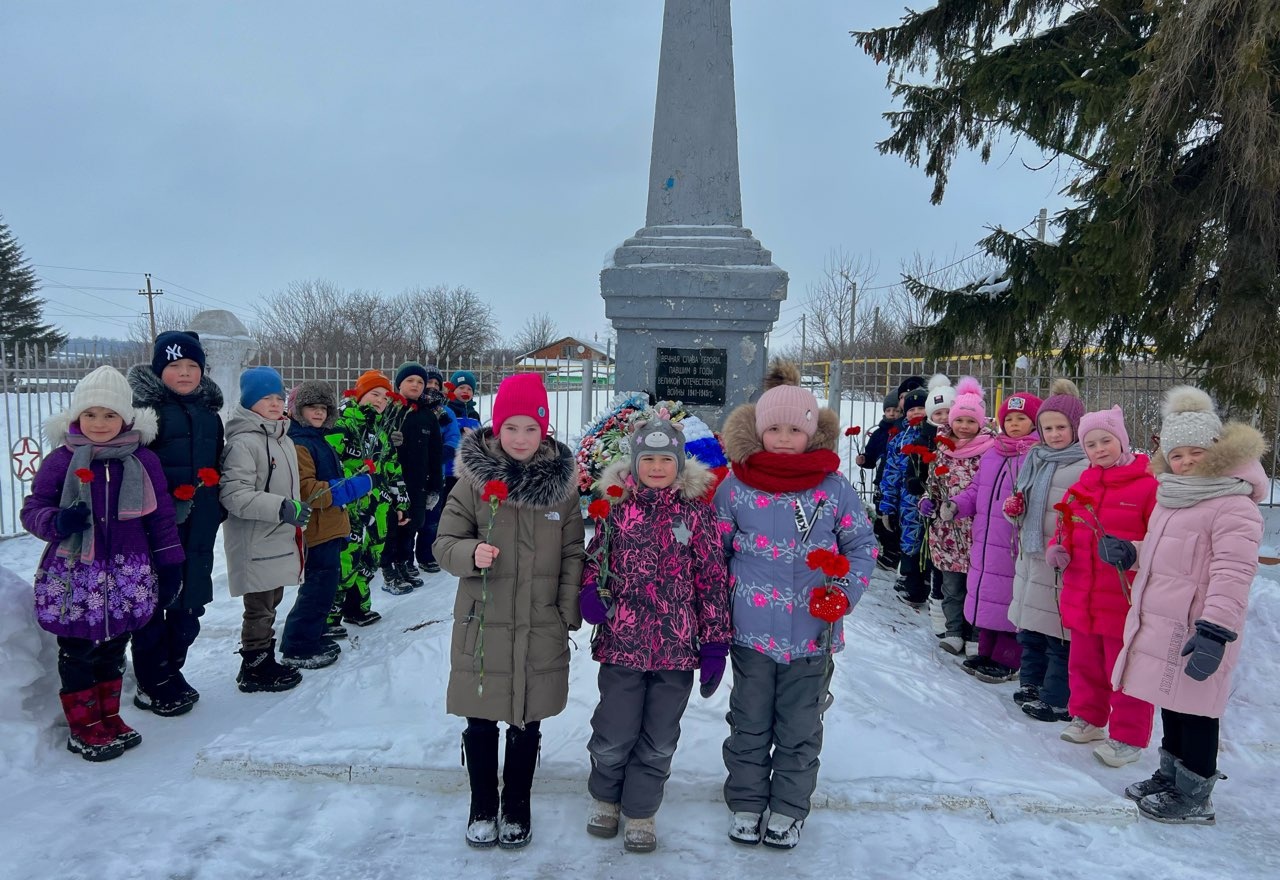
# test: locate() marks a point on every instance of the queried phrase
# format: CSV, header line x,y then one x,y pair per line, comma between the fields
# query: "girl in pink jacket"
x,y
1195,569
1104,512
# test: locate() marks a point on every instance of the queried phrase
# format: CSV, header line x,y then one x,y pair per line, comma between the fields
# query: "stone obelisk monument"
x,y
692,294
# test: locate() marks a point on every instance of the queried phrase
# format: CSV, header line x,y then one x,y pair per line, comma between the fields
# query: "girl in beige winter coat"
x,y
263,533
512,532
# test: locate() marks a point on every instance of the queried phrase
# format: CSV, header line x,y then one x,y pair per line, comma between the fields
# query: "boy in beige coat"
x,y
263,533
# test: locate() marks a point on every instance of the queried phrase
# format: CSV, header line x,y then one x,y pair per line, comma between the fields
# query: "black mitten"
x,y
1206,648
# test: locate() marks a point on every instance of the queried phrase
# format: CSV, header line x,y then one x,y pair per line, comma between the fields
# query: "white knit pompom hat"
x,y
1189,419
941,395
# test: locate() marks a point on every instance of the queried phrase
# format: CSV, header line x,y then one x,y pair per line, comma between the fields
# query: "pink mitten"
x,y
1057,556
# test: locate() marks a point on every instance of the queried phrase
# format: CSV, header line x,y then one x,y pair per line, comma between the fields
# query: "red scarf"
x,y
786,472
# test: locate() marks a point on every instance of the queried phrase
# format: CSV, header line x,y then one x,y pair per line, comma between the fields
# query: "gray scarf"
x,y
135,497
1034,480
1178,492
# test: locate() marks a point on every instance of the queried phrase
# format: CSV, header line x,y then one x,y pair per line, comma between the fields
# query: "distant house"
x,y
560,363
569,348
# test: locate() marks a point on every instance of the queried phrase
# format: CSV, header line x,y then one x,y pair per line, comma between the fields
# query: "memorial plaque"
x,y
692,375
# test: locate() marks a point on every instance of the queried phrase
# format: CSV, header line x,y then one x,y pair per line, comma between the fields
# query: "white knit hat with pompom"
x,y
941,395
1189,419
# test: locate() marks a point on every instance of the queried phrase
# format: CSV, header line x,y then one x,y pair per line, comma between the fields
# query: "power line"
x,y
81,269
172,283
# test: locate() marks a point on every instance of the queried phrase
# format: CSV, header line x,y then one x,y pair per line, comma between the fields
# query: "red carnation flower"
x,y
185,492
208,476
1063,508
450,387
84,475
850,431
370,465
350,392
494,490
947,442
614,491
598,509
942,470
928,456
894,431
836,565
817,558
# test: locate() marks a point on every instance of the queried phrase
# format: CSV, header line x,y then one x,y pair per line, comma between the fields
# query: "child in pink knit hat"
x,y
512,533
1106,510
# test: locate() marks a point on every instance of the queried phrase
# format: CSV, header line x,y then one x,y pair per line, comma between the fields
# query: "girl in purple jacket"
x,y
656,588
101,502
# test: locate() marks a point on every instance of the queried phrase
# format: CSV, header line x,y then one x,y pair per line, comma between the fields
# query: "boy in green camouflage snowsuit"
x,y
359,435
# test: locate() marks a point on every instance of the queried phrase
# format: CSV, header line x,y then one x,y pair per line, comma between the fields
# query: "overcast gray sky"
x,y
231,148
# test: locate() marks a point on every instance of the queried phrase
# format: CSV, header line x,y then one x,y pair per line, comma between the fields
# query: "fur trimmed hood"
x,y
692,482
741,439
149,391
1237,453
145,423
545,480
314,393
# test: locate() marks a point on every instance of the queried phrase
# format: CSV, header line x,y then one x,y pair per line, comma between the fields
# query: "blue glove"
x,y
594,609
351,489
73,519
168,585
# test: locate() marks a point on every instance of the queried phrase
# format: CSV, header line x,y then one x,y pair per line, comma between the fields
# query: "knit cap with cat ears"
x,y
656,437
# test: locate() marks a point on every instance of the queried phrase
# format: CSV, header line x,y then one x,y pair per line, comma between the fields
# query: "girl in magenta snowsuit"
x,y
101,502
656,587
995,541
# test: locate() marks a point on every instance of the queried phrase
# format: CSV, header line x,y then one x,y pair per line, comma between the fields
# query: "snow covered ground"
x,y
356,774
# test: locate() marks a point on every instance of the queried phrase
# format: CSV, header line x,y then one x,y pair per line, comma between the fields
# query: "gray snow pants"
x,y
634,734
775,732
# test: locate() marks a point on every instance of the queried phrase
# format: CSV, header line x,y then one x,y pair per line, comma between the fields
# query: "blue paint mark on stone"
x,y
671,182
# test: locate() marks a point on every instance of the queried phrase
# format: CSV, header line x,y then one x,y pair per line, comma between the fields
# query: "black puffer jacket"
x,y
190,438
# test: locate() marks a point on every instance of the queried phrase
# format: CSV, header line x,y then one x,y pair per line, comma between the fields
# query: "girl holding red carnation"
x,y
656,588
512,533
785,498
1104,512
100,501
960,449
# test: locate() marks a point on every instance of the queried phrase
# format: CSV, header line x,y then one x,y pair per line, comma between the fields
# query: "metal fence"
x,y
37,382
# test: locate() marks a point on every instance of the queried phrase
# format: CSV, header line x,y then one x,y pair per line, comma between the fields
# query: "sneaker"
x,y
362,618
412,571
641,836
335,631
900,585
744,828
602,819
411,579
782,832
1081,731
325,654
952,644
992,672
431,567
1114,753
1026,693
1042,711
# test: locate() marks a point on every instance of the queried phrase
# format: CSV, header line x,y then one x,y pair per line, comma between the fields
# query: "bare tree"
x,y
830,306
449,324
318,316
538,332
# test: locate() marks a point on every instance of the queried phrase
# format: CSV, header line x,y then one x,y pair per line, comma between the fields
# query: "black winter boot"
x,y
259,671
515,828
1188,802
1161,780
480,755
409,577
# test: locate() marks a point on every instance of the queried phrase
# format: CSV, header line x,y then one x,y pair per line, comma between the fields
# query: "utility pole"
x,y
853,312
802,341
151,303
1042,224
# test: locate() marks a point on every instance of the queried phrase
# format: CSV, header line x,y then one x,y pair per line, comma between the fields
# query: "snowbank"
x,y
29,686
